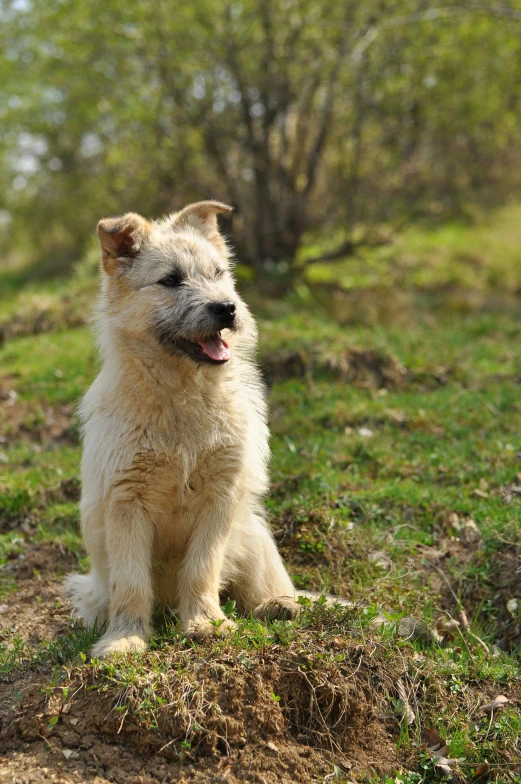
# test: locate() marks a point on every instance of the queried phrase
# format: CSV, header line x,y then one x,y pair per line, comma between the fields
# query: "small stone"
x,y
67,753
271,746
512,606
365,432
470,534
74,721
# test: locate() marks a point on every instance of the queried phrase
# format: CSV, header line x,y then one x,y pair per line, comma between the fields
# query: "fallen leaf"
x,y
453,521
445,765
480,493
432,739
482,769
497,702
380,559
396,415
448,627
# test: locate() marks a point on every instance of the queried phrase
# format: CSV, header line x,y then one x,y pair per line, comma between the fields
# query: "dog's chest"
x,y
200,455
181,495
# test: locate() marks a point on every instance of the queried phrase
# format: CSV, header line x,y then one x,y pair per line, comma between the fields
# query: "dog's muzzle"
x,y
224,313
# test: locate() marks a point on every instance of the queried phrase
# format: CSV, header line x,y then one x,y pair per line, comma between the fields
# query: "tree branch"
x,y
325,123
245,103
348,248
431,15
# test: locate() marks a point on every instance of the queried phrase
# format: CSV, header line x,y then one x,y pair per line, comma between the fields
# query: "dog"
x,y
175,459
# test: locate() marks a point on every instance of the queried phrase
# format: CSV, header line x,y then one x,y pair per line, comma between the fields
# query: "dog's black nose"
x,y
225,311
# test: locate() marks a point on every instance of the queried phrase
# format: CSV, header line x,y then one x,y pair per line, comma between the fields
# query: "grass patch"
x,y
387,441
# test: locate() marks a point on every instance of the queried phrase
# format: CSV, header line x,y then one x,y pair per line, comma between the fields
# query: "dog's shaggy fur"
x,y
174,467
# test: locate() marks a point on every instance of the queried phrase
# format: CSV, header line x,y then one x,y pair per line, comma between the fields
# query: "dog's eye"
x,y
219,273
172,281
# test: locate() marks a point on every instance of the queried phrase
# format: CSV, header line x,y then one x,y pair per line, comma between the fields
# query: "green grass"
x,y
358,468
70,361
483,254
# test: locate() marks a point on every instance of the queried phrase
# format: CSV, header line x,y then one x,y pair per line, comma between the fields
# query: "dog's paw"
x,y
281,608
200,629
109,646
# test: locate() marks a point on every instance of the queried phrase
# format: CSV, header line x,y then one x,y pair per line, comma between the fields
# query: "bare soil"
x,y
36,612
278,720
44,426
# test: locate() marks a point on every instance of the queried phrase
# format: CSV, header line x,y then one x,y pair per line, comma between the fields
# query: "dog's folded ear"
x,y
202,216
121,238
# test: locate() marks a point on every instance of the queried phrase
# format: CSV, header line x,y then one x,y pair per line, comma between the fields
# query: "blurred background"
x,y
340,132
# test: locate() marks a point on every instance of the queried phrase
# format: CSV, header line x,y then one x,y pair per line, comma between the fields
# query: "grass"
x,y
482,253
387,438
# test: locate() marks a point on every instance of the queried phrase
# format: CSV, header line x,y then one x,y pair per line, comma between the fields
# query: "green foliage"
x,y
302,113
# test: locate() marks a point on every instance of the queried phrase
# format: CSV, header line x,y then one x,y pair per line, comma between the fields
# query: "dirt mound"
x,y
363,367
282,714
254,709
45,313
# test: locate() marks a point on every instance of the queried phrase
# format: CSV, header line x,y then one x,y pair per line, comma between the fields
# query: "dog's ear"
x,y
121,238
203,216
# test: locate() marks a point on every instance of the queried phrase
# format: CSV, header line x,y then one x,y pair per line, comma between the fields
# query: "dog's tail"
x,y
408,628
89,597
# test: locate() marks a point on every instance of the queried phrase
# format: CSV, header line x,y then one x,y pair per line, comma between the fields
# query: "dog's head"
x,y
170,282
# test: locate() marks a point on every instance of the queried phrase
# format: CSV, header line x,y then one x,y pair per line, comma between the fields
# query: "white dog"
x,y
174,467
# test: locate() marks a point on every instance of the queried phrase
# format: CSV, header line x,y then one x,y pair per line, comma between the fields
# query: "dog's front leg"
x,y
199,578
129,537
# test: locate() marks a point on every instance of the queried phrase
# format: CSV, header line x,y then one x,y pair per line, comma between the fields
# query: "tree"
x,y
303,114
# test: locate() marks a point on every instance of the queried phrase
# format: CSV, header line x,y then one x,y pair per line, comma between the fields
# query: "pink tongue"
x,y
216,348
